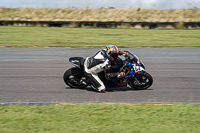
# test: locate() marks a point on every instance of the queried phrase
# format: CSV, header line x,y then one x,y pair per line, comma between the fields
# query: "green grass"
x,y
96,37
114,118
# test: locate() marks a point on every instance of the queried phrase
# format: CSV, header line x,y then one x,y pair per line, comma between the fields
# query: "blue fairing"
x,y
133,71
135,60
130,64
141,65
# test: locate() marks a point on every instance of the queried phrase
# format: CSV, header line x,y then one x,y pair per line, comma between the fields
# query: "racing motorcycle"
x,y
134,69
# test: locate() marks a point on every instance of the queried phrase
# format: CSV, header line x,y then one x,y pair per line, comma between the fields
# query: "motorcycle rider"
x,y
101,61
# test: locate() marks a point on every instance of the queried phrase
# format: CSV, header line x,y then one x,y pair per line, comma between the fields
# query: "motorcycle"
x,y
134,69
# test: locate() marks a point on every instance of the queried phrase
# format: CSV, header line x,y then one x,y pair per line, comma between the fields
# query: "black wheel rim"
x,y
141,82
74,81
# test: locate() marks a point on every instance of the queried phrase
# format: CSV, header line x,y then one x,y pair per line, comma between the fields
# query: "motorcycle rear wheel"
x,y
73,76
142,82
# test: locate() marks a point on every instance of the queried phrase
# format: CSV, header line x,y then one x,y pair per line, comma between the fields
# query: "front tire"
x,y
74,78
141,82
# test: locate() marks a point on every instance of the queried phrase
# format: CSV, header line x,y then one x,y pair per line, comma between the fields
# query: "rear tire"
x,y
142,82
72,78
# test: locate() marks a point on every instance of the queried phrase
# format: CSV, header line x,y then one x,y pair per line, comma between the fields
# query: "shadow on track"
x,y
117,89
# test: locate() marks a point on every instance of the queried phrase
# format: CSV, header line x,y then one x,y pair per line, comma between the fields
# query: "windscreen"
x,y
135,59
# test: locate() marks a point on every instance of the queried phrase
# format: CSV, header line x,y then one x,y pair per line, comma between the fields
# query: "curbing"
x,y
131,104
55,103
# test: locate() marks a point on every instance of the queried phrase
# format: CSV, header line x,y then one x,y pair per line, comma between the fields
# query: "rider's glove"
x,y
121,75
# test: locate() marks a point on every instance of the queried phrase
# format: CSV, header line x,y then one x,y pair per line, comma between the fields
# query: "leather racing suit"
x,y
95,64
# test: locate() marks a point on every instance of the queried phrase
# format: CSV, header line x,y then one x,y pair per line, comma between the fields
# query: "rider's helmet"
x,y
112,52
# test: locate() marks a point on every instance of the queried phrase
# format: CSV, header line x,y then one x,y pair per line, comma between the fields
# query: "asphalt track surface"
x,y
34,75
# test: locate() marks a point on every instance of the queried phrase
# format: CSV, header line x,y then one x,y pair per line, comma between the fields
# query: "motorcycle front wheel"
x,y
141,82
75,78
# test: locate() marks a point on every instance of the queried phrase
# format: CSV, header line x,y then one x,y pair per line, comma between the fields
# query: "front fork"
x,y
134,75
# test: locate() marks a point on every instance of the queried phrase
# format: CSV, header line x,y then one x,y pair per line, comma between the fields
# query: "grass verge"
x,y
92,37
176,118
